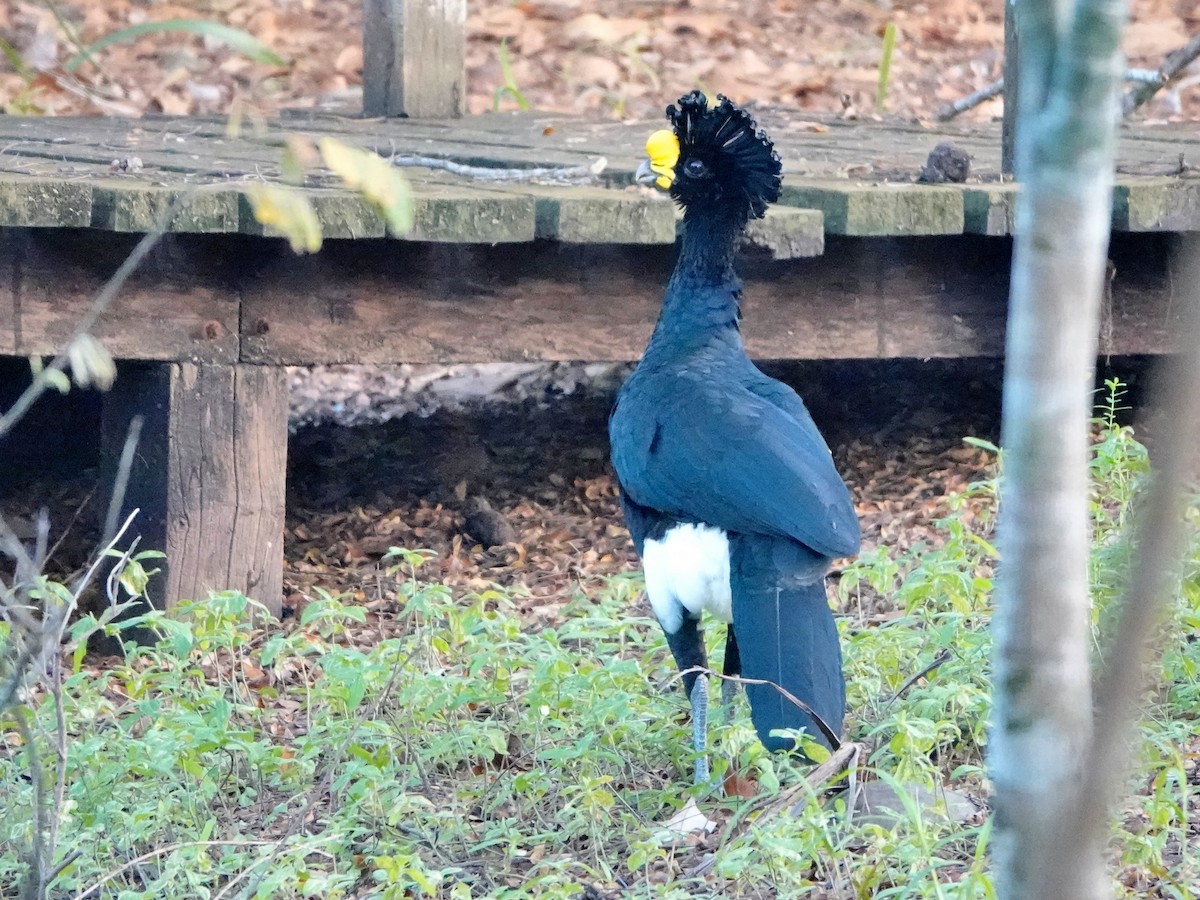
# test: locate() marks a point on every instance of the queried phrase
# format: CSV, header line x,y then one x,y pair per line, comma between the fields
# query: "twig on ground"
x,y
950,110
832,736
942,657
93,889
557,174
1176,62
844,759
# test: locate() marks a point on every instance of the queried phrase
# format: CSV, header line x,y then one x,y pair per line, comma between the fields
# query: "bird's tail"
x,y
786,635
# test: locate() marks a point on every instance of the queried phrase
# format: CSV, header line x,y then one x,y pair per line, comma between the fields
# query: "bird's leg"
x,y
699,701
731,666
687,646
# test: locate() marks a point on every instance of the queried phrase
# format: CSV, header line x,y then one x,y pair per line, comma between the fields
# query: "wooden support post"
x,y
1012,89
208,476
414,55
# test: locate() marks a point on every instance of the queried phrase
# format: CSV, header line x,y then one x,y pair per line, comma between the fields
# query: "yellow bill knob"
x,y
663,149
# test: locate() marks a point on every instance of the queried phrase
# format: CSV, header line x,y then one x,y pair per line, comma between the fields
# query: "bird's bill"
x,y
646,175
662,150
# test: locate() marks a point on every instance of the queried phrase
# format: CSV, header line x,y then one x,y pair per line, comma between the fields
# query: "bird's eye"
x,y
695,168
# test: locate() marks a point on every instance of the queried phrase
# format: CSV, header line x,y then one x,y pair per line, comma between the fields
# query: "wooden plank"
x,y
787,233
414,55
341,215
588,215
209,475
1156,204
860,209
44,203
446,214
178,307
456,215
990,209
140,208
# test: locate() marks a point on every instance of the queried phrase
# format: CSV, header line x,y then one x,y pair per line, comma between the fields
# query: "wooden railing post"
x,y
413,58
1012,89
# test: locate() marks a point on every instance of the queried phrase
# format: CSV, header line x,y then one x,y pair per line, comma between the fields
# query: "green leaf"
x,y
91,364
373,177
236,39
288,212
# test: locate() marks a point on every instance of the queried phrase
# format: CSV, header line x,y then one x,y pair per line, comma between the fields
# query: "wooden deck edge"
x,y
462,212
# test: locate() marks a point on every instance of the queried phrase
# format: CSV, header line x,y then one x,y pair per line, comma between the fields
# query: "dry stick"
x,y
33,885
832,736
124,467
942,657
844,758
568,174
1160,541
1175,63
95,886
950,110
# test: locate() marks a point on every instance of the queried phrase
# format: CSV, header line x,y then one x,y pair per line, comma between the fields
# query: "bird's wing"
x,y
725,455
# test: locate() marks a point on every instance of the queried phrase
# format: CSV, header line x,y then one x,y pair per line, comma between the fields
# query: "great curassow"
x,y
728,489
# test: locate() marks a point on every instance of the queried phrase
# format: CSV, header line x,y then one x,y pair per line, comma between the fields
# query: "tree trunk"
x,y
1069,68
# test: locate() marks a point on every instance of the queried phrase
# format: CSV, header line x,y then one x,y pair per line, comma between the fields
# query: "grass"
x,y
474,756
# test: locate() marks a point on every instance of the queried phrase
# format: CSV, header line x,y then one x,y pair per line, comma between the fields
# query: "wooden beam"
x,y
414,58
209,474
179,306
864,298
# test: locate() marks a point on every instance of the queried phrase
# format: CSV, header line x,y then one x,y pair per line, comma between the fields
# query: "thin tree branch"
x,y
1176,62
1145,77
961,105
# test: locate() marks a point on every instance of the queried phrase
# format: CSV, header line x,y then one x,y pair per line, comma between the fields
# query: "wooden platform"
x,y
856,262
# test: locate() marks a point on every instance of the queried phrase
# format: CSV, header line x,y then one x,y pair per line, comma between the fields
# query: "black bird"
x,y
728,489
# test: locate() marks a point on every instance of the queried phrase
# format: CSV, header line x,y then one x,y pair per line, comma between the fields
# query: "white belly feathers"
x,y
688,568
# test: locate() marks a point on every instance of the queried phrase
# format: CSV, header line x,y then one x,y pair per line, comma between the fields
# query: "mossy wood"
x,y
60,172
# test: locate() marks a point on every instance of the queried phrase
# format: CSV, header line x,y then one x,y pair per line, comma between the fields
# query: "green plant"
x,y
885,64
509,88
472,753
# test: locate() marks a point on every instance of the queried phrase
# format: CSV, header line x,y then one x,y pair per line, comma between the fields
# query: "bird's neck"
x,y
703,295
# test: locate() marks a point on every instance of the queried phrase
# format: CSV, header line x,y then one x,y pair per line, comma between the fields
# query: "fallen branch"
x,y
830,735
950,110
1150,82
555,174
1176,62
844,759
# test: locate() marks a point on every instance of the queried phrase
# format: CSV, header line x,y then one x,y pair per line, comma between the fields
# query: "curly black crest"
x,y
723,156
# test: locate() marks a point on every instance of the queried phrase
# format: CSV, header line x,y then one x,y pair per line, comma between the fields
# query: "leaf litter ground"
x,y
624,58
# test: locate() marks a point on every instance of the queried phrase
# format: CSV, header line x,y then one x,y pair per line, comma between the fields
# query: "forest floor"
x,y
629,59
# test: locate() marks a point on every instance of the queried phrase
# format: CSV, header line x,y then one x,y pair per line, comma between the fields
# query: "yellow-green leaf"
x,y
91,364
289,212
373,177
